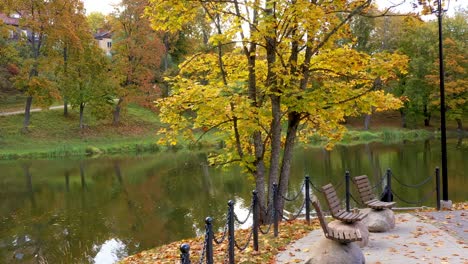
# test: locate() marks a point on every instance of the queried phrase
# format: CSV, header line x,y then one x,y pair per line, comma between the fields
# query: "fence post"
x,y
307,199
255,219
185,254
231,231
275,209
209,242
437,174
347,190
389,185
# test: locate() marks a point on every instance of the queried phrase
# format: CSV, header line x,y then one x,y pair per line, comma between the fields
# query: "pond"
x,y
99,210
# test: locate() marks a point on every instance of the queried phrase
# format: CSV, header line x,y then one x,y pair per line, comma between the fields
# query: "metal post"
x,y
389,185
443,135
185,254
307,199
231,231
255,219
437,174
209,242
347,190
275,209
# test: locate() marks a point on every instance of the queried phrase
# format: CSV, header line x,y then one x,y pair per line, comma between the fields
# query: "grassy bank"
x,y
53,135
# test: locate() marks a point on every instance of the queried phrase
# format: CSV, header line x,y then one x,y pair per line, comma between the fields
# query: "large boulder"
x,y
339,225
327,251
379,220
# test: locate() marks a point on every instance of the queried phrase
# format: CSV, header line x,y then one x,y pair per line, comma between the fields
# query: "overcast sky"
x,y
105,6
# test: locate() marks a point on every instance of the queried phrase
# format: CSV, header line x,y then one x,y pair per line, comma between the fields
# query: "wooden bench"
x,y
335,206
367,196
341,236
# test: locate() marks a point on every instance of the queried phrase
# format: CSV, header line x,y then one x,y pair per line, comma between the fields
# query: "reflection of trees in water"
x,y
148,201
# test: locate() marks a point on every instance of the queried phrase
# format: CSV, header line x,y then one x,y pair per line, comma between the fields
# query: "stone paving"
x,y
422,239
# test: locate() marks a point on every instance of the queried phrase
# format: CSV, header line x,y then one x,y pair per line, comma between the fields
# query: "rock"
x,y
379,220
446,204
327,251
339,225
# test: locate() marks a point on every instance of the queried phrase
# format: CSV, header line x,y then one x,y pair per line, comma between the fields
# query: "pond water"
x,y
99,210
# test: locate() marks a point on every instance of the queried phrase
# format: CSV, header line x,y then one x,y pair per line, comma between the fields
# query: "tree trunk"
x,y
260,178
367,120
427,116
275,144
65,107
293,124
82,106
118,107
27,114
459,124
403,118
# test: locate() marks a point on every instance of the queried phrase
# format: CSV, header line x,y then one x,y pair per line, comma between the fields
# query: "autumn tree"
x,y
37,17
89,81
137,50
287,80
456,81
98,21
69,37
9,58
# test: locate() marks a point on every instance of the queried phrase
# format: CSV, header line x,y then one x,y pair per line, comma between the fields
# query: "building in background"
x,y
104,40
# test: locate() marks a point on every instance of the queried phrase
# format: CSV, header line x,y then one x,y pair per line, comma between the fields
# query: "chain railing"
x,y
273,214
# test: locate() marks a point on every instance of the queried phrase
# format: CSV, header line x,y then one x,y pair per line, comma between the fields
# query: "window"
x,y
109,44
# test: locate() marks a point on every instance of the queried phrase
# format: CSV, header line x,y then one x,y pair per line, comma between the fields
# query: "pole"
x,y
307,199
209,242
443,138
389,186
185,254
231,231
437,174
255,220
347,190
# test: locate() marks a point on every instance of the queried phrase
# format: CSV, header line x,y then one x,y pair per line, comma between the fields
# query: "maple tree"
x,y
137,50
286,80
456,83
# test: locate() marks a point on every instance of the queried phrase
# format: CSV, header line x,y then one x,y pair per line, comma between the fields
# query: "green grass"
x,y
385,135
52,135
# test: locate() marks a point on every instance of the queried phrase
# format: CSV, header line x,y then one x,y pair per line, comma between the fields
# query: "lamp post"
x,y
443,138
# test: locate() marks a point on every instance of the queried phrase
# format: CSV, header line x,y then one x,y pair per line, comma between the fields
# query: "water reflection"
x,y
98,210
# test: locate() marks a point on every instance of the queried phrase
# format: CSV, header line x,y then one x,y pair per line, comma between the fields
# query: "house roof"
x,y
103,34
9,20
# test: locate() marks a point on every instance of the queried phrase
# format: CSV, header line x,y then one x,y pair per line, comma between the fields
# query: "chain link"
x,y
295,216
246,244
413,185
248,215
417,202
295,197
202,257
379,183
224,232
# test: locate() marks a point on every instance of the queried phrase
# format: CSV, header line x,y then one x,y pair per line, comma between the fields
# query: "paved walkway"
x,y
32,110
413,240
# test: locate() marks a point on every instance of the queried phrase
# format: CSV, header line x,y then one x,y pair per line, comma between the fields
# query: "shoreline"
x,y
148,144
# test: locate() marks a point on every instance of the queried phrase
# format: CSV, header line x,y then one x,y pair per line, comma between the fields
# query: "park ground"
x,y
53,135
420,236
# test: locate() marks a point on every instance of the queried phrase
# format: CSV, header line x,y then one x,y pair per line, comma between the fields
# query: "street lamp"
x,y
443,139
